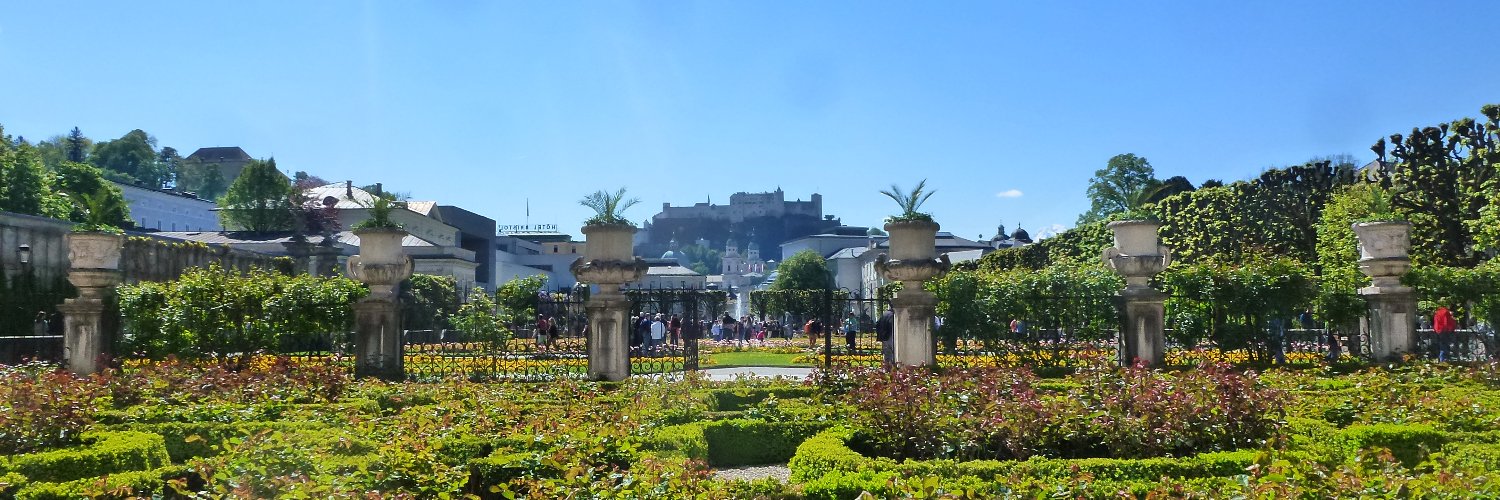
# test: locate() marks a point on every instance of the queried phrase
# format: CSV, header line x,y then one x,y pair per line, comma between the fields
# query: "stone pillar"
x,y
299,251
94,268
325,260
381,265
912,261
609,260
1137,256
1384,256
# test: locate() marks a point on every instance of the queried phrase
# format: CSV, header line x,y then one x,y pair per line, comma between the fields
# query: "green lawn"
x,y
750,358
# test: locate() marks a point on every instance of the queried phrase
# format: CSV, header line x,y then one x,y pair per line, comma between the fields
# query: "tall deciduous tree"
x,y
805,270
132,157
25,185
1443,178
260,200
1126,182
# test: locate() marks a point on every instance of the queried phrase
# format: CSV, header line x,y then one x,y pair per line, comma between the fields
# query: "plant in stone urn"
x,y
913,234
909,202
380,213
609,254
96,242
380,263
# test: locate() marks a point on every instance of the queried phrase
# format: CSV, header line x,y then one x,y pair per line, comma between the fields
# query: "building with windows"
x,y
162,210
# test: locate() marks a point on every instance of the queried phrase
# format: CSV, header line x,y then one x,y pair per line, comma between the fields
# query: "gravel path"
x,y
778,471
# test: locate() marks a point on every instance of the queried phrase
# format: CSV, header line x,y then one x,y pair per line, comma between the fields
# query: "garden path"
x,y
729,374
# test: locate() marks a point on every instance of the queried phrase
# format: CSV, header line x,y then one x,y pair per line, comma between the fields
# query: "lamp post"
x,y
23,254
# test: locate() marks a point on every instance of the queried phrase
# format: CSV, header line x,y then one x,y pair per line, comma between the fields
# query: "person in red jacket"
x,y
1442,331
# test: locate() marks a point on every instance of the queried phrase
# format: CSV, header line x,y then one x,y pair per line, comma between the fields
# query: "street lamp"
x,y
23,253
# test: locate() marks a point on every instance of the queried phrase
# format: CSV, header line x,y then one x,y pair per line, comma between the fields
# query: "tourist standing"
x,y
675,328
1443,328
718,331
658,331
851,327
884,328
542,326
39,325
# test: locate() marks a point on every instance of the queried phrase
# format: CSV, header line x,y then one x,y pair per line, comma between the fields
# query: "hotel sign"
x,y
528,228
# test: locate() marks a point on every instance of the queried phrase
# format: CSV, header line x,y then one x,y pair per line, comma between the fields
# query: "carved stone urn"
x,y
913,259
1137,256
380,264
94,250
1384,251
608,261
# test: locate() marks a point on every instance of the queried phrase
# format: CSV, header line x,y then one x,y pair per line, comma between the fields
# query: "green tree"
x,y
805,270
702,260
608,207
1126,182
1443,179
517,299
25,186
169,162
430,301
76,147
75,181
132,157
260,200
478,319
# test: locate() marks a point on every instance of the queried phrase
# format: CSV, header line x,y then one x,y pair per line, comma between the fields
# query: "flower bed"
x,y
282,429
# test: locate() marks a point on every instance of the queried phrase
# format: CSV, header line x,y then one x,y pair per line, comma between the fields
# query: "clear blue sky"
x,y
486,104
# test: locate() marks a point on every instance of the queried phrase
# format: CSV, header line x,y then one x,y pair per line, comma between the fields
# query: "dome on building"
x,y
669,254
1021,235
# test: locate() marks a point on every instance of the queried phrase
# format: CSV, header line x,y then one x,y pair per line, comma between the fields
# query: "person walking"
x,y
884,328
1443,327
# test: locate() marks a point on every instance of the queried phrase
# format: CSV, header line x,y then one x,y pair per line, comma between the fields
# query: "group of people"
x,y
1445,331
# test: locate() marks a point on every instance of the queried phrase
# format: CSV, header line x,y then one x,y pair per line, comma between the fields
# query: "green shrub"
x,y
106,453
841,485
744,399
151,483
828,452
1409,443
504,466
686,440
1474,456
186,440
755,442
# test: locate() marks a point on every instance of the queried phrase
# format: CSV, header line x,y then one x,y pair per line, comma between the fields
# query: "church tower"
x,y
733,264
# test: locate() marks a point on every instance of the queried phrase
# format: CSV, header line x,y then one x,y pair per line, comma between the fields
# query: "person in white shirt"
x,y
658,331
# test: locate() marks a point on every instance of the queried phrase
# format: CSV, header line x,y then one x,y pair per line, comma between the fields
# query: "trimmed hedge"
x,y
828,453
106,452
1409,443
191,440
729,443
151,483
755,442
744,399
889,484
500,468
684,440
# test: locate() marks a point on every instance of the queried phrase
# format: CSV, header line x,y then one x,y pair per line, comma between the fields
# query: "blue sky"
x,y
487,104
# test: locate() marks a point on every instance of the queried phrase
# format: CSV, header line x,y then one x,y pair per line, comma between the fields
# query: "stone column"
x,y
1138,255
913,260
608,261
325,260
1384,256
299,251
377,321
94,268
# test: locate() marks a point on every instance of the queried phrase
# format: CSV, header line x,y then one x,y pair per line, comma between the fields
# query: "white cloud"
x,y
1050,231
1009,193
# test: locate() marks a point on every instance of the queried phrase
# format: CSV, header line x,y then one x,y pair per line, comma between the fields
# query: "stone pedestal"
x,y
87,330
609,337
377,343
609,260
1384,256
377,320
88,326
1137,256
325,260
913,261
1143,335
299,251
912,332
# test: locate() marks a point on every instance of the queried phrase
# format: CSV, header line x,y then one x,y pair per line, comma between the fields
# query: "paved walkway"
x,y
728,374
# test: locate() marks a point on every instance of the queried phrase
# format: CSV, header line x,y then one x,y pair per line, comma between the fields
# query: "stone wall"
x,y
145,257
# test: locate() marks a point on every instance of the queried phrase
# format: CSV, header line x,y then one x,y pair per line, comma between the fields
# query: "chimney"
x,y
349,189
